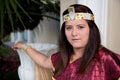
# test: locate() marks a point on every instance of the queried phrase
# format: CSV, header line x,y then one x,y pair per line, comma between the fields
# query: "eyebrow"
x,y
68,25
81,25
76,25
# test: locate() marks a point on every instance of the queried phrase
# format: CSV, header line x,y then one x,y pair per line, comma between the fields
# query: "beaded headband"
x,y
77,16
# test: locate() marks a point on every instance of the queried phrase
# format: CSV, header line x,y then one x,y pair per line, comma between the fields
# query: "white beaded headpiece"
x,y
77,15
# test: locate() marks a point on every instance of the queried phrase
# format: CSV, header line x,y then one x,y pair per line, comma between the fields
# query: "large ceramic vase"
x,y
26,70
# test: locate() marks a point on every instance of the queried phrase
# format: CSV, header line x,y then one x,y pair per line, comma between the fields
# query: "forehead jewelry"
x,y
77,15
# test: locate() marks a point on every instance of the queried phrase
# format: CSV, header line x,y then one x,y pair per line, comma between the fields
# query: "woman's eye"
x,y
68,27
80,27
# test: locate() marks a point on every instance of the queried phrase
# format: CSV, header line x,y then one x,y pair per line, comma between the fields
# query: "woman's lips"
x,y
75,39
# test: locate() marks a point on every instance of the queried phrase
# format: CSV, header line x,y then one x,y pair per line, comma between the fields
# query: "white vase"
x,y
26,70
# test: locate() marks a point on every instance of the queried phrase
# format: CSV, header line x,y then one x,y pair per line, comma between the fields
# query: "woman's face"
x,y
77,33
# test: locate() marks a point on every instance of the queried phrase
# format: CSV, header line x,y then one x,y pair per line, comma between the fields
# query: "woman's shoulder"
x,y
55,57
111,62
107,53
109,56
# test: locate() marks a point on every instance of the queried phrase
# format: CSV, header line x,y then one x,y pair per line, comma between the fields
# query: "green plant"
x,y
24,14
8,9
9,63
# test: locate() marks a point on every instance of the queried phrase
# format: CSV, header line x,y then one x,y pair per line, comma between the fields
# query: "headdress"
x,y
77,15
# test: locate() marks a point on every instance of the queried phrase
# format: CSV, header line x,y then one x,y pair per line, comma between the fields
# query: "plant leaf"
x,y
22,8
9,13
16,12
2,16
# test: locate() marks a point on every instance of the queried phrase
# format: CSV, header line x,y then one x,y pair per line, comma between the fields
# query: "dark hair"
x,y
90,51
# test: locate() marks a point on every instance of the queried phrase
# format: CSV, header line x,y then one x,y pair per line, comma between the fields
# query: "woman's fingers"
x,y
17,45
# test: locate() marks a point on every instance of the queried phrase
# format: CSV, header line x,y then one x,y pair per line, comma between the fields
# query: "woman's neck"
x,y
78,53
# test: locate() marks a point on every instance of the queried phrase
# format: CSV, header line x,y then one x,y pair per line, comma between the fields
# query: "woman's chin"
x,y
77,46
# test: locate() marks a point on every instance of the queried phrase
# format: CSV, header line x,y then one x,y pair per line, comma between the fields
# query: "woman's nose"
x,y
74,32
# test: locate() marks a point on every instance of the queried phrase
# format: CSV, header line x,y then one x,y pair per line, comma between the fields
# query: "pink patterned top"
x,y
108,69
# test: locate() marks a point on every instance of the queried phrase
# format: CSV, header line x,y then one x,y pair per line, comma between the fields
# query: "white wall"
x,y
113,30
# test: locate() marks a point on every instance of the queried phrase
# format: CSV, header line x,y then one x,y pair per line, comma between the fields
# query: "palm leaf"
x,y
16,12
8,9
22,9
1,16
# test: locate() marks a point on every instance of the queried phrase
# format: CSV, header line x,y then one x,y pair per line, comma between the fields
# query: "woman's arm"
x,y
39,58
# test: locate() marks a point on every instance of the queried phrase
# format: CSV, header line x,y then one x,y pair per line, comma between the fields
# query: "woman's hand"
x,y
19,45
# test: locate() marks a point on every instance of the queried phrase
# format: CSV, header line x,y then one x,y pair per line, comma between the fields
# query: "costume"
x,y
106,66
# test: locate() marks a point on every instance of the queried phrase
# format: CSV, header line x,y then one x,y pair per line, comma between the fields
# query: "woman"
x,y
81,55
